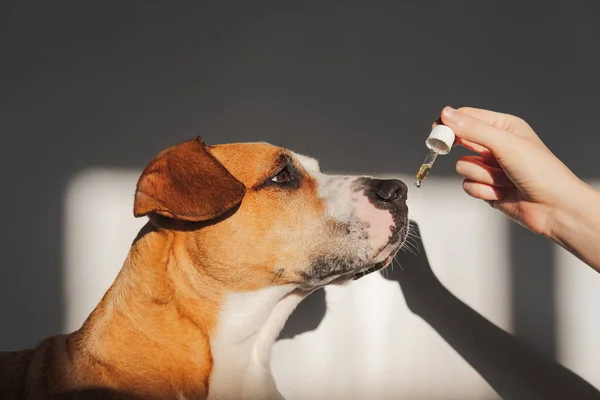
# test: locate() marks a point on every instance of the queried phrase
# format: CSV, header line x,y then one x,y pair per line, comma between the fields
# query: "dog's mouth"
x,y
392,249
389,251
338,271
376,267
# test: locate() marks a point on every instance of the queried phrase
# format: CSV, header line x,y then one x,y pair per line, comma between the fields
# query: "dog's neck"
x,y
248,326
166,329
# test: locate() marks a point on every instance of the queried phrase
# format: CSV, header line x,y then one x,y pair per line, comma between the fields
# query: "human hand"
x,y
514,171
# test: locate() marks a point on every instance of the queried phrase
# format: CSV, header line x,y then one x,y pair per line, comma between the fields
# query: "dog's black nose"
x,y
389,190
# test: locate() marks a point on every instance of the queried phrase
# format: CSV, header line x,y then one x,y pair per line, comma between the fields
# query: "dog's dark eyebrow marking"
x,y
283,159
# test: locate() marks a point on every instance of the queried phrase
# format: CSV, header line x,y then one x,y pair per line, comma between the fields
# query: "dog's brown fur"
x,y
150,334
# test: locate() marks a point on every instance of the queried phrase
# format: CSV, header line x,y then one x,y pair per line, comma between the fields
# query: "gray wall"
x,y
111,84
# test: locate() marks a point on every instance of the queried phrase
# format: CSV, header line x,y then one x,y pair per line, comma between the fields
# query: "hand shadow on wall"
x,y
307,316
509,365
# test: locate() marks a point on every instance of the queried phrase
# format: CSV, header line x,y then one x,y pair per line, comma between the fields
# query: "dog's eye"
x,y
283,176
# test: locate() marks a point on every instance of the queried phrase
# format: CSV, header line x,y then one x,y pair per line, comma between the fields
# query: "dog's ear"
x,y
186,182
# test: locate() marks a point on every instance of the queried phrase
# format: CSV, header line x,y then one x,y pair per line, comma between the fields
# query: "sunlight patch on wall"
x,y
99,230
578,314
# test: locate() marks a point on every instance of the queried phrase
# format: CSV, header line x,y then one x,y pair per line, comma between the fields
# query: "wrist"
x,y
579,209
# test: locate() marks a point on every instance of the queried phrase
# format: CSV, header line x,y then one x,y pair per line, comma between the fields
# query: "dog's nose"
x,y
389,190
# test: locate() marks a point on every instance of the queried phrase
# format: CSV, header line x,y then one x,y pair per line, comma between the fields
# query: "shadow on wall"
x,y
514,369
307,316
510,366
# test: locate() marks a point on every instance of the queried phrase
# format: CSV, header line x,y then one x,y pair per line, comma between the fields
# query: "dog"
x,y
237,235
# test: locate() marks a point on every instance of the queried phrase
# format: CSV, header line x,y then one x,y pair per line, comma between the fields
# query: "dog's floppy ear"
x,y
186,182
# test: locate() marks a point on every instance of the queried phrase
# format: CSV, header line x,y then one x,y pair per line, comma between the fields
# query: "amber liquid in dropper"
x,y
426,167
422,174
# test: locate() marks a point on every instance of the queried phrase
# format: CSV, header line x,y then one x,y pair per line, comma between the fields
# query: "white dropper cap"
x,y
440,139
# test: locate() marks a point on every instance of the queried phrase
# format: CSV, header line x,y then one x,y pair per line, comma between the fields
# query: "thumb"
x,y
474,130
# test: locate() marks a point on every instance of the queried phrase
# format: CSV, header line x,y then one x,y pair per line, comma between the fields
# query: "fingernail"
x,y
450,115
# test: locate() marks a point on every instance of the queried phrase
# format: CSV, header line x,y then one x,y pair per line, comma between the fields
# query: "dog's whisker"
x,y
410,248
412,231
410,242
400,265
413,239
411,251
412,245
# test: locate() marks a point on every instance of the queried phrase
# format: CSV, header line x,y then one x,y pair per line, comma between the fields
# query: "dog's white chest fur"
x,y
248,326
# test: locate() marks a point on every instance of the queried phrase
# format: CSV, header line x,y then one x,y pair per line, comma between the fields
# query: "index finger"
x,y
476,131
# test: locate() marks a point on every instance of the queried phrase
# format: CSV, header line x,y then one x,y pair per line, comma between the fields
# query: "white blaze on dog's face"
x,y
294,224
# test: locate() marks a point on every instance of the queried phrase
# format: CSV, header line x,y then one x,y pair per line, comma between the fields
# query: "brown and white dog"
x,y
238,235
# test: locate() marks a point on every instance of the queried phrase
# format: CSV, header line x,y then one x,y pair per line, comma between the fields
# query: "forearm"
x,y
577,226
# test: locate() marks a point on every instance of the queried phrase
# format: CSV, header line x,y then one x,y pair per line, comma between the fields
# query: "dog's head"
x,y
255,215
